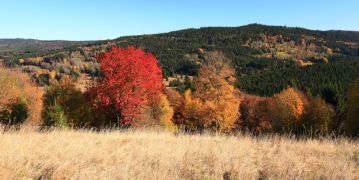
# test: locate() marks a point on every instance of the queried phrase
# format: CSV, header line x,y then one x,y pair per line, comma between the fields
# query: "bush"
x,y
158,113
256,114
351,122
317,117
65,106
56,117
15,114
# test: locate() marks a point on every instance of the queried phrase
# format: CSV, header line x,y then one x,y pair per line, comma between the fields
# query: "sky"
x,y
108,19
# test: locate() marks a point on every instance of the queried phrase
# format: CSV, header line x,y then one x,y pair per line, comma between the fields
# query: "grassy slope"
x,y
149,155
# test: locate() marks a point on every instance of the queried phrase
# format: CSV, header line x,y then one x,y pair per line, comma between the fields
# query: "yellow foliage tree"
x,y
215,92
52,76
289,108
166,114
193,112
157,113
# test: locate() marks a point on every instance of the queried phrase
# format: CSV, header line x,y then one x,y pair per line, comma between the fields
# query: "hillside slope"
x,y
267,58
34,44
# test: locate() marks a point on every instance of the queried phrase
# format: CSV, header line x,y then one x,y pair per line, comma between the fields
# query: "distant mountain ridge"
x,y
20,44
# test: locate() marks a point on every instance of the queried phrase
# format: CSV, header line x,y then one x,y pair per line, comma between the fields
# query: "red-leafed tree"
x,y
131,77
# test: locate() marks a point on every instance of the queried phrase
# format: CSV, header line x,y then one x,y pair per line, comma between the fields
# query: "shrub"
x,y
65,105
351,122
317,117
56,117
256,114
15,114
158,113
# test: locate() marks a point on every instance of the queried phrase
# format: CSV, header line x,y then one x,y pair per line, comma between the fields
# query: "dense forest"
x,y
267,59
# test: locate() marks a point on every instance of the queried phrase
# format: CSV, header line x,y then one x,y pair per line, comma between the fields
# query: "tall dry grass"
x,y
158,155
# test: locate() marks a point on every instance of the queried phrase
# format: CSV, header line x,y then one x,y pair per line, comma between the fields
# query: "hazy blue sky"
x,y
106,19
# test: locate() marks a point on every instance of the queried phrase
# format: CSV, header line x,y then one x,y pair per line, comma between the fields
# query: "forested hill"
x,y
251,41
267,58
34,44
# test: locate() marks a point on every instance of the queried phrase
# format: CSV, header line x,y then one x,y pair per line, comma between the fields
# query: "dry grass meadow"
x,y
71,154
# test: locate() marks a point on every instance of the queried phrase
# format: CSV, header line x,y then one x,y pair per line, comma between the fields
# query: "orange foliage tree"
x,y
289,106
17,88
177,103
214,103
194,112
8,91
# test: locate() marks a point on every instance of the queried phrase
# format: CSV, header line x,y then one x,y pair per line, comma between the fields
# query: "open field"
x,y
153,155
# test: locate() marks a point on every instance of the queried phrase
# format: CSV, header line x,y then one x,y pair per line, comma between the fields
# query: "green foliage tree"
x,y
56,117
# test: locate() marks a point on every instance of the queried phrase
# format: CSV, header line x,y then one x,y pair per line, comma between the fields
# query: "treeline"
x,y
130,94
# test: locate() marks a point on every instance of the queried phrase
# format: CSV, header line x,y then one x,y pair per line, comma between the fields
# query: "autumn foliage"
x,y
130,93
289,107
256,114
317,117
194,113
20,99
157,114
131,78
177,103
65,105
214,103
